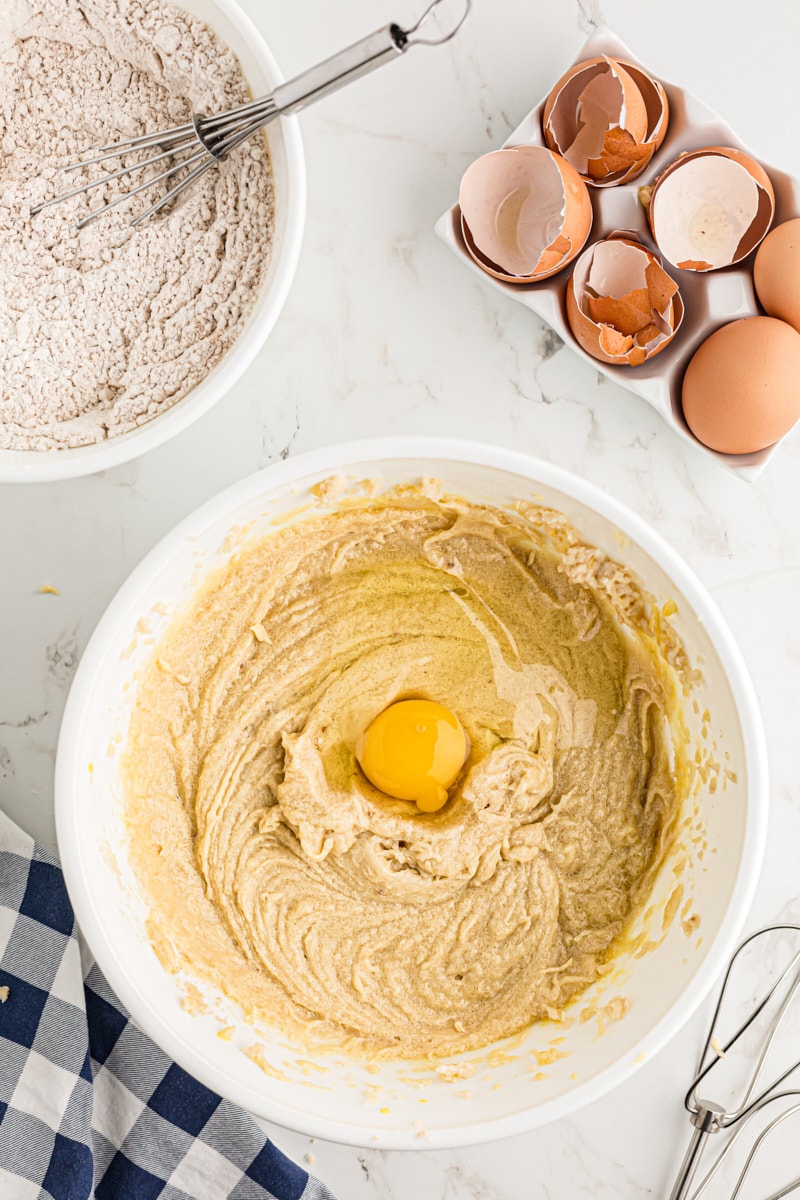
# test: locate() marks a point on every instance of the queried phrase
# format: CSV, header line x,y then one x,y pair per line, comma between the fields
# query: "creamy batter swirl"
x,y
277,870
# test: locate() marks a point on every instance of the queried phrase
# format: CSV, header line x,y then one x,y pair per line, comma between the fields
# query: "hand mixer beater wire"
x,y
759,1092
205,141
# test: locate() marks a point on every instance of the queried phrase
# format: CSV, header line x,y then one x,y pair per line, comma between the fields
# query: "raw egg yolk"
x,y
414,750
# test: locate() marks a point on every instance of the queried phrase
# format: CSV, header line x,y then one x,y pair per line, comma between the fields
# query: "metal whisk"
x,y
771,1011
204,141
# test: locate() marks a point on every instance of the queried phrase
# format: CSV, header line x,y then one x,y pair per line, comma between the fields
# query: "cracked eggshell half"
x,y
607,118
622,306
710,208
525,213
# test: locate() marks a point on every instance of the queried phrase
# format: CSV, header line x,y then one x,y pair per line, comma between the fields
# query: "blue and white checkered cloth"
x,y
90,1109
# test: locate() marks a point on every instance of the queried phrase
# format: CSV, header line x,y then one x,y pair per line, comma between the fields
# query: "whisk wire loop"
x,y
755,1150
756,1094
207,140
710,1056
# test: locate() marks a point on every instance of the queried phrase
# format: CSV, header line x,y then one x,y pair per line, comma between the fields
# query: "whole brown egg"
x,y
741,390
776,272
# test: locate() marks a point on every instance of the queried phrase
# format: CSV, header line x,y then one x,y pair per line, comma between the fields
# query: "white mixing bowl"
x,y
345,1100
289,173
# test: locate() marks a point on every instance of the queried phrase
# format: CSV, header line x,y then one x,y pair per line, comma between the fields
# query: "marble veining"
x,y
385,332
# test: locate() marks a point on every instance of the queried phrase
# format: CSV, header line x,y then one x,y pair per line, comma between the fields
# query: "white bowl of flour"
x,y
114,339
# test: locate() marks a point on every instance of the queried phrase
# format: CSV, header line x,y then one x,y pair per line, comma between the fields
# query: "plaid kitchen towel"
x,y
89,1106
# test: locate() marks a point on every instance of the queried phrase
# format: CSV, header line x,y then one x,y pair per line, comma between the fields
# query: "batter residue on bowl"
x,y
275,870
104,328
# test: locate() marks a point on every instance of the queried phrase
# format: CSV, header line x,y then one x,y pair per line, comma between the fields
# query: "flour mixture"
x,y
276,869
102,330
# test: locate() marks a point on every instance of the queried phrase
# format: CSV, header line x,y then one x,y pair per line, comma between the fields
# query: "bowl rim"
x,y
331,459
47,466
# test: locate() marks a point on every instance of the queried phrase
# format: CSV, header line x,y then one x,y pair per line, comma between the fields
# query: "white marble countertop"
x,y
386,332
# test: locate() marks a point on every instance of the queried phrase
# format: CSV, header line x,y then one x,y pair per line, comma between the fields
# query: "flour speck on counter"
x,y
105,328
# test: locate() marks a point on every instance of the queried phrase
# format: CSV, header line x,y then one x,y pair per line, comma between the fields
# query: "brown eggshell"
x,y
497,194
776,272
619,153
690,213
656,103
626,330
740,391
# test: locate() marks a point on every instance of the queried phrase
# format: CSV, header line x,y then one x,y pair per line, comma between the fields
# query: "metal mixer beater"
x,y
196,146
747,1069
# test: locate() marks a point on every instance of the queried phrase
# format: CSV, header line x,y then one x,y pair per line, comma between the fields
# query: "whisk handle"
x,y
342,68
706,1120
689,1165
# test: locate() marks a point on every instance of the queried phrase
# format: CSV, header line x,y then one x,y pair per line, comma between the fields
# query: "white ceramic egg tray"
x,y
712,299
